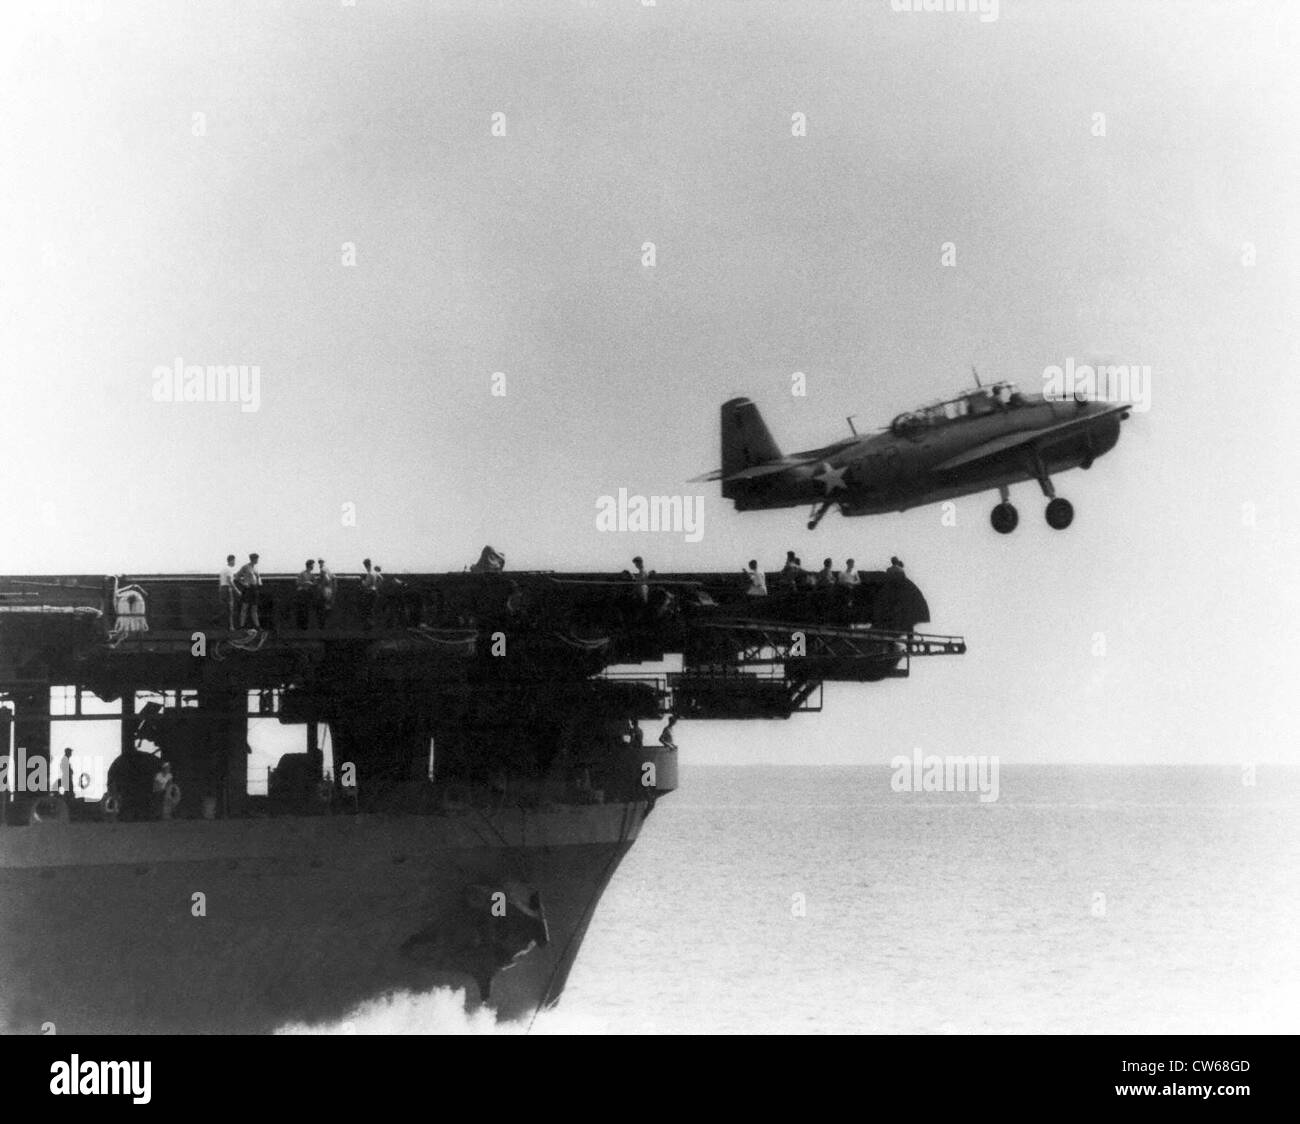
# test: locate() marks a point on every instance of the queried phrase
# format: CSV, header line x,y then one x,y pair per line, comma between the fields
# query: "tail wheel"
x,y
1004,518
1060,514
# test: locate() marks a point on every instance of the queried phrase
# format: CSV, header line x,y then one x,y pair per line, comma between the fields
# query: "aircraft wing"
x,y
757,470
1040,438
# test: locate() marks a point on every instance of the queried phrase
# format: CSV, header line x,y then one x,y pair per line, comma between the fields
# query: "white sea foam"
x,y
442,1011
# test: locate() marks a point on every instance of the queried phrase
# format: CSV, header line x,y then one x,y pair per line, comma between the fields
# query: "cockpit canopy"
x,y
970,403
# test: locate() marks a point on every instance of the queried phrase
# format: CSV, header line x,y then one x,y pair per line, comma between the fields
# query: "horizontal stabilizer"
x,y
1035,438
768,469
754,471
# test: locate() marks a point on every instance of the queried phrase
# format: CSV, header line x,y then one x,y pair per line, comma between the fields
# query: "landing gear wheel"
x,y
1004,518
1060,514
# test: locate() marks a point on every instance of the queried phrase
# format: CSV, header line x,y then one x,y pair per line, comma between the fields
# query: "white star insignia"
x,y
831,478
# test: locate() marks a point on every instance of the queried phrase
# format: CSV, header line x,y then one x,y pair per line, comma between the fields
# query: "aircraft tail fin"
x,y
746,442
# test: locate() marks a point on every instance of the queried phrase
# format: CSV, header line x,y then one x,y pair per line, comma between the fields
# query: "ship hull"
x,y
300,919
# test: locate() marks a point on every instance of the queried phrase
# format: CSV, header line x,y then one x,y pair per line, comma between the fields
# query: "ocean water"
x,y
1084,900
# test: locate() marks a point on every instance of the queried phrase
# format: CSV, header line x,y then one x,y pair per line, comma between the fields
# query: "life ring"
x,y
112,806
172,794
83,781
48,809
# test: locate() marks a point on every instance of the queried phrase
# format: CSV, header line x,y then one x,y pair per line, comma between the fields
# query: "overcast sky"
x,y
184,180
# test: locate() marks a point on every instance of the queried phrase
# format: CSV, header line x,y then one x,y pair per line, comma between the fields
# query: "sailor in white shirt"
x,y
370,582
226,589
249,583
757,580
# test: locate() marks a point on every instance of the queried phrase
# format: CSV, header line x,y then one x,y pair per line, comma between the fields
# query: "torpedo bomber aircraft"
x,y
989,437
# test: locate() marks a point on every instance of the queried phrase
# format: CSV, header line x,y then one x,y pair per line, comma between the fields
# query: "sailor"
x,y
304,594
326,587
634,737
757,580
226,590
65,776
826,575
249,583
895,568
642,579
791,571
369,592
383,589
162,780
848,582
666,736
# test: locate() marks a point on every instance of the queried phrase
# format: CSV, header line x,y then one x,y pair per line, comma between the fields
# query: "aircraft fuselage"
x,y
892,471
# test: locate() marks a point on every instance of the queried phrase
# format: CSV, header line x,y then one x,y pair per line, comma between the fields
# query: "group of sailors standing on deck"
x,y
794,577
242,587
636,739
314,591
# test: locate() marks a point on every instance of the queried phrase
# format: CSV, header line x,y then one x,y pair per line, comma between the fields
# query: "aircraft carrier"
x,y
471,771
